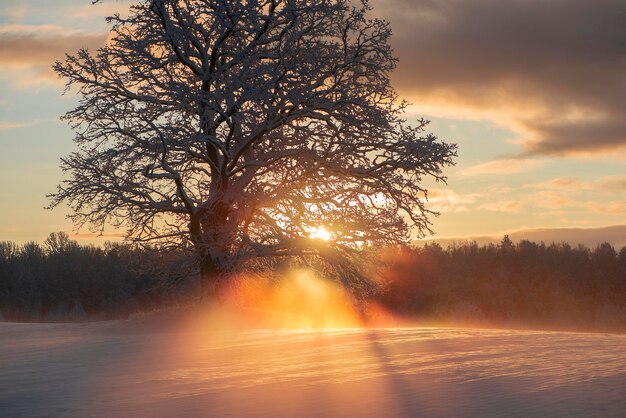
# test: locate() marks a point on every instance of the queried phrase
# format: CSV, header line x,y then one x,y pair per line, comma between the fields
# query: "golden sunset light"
x,y
320,233
312,209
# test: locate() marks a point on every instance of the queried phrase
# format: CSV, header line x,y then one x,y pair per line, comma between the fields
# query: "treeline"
x,y
524,284
62,280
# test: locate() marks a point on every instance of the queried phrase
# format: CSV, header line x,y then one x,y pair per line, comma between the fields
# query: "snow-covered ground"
x,y
144,368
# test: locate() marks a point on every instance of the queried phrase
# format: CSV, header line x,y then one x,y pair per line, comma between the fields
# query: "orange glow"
x,y
299,300
320,233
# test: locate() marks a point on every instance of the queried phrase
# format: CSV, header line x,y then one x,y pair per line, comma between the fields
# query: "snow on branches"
x,y
237,127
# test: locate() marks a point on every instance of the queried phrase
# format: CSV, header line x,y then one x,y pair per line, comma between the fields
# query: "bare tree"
x,y
58,242
236,128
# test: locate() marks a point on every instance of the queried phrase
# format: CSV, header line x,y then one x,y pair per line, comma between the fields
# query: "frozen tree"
x,y
237,129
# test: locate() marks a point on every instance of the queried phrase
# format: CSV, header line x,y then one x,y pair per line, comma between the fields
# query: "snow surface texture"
x,y
135,369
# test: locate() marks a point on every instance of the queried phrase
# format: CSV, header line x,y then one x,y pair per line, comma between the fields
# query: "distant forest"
x,y
62,280
525,284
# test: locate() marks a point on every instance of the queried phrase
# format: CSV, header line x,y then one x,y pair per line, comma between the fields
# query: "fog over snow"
x,y
147,368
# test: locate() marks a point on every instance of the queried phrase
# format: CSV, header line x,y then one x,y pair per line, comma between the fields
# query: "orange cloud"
x,y
561,183
526,65
27,52
502,206
613,183
447,200
606,183
609,208
11,125
88,11
552,200
502,166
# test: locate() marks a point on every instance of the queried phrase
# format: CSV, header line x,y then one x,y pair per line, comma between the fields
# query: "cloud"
x,y
560,200
607,208
24,46
564,195
502,206
551,70
447,200
552,200
554,136
10,125
613,183
605,183
554,71
16,13
502,166
561,183
98,10
27,52
591,237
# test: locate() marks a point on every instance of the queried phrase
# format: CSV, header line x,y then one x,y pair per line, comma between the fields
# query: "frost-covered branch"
x,y
236,127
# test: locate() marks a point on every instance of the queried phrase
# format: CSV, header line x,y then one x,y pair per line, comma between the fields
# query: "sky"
x,y
532,91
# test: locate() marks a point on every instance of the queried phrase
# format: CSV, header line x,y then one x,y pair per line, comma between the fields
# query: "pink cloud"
x,y
502,166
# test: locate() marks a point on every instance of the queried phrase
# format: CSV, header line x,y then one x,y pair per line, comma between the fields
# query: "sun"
x,y
320,233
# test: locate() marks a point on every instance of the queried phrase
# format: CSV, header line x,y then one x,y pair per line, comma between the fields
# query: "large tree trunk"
x,y
209,276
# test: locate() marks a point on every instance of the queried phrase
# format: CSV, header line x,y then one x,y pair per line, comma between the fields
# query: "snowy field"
x,y
140,368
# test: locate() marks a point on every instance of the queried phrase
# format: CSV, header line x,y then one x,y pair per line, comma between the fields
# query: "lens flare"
x,y
300,299
320,233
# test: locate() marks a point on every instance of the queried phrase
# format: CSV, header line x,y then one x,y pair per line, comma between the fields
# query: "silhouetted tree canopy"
x,y
236,128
